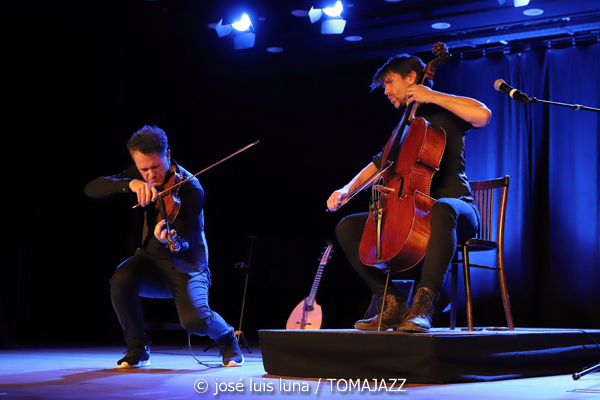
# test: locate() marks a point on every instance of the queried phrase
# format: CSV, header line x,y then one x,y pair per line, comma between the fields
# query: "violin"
x,y
168,205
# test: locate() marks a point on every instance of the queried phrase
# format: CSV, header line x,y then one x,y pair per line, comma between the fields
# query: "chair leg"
x,y
453,281
467,278
504,290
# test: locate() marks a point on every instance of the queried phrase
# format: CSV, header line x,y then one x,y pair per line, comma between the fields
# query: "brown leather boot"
x,y
394,311
419,318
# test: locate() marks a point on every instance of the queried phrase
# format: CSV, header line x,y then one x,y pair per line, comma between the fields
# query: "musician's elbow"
x,y
482,118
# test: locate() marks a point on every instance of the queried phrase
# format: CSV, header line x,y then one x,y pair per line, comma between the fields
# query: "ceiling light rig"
x,y
332,23
242,30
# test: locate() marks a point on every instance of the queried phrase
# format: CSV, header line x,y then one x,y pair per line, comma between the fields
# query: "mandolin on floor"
x,y
308,314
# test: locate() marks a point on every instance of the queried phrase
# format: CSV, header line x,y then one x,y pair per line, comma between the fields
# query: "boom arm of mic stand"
x,y
571,106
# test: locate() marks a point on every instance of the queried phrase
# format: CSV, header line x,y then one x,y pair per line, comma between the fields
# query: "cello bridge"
x,y
383,189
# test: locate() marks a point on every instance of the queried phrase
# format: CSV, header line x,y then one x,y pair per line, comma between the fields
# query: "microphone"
x,y
517,95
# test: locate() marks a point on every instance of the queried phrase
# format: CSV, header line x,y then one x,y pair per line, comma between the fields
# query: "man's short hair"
x,y
148,140
401,64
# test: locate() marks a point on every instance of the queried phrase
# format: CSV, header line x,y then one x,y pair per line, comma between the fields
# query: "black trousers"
x,y
146,276
451,220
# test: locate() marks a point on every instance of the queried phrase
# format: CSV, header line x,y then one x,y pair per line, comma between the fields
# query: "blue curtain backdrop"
x,y
552,156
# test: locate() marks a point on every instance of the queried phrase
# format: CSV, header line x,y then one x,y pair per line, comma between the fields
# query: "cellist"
x,y
170,264
453,215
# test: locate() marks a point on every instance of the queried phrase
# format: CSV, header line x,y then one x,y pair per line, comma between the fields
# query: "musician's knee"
x,y
197,323
122,282
342,227
350,227
443,214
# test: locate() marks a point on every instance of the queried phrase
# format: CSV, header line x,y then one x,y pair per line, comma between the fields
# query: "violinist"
x,y
453,215
169,264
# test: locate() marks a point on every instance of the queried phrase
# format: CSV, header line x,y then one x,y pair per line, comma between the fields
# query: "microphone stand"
x,y
586,371
571,106
576,107
239,333
596,367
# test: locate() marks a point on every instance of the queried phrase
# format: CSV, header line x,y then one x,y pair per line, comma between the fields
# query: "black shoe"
x,y
232,355
136,357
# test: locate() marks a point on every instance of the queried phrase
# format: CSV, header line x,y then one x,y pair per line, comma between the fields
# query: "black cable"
x,y
200,362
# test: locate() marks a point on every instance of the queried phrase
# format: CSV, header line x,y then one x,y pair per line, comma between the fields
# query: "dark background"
x,y
81,77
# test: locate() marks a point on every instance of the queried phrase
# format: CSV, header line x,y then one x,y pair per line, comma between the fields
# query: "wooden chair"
x,y
487,239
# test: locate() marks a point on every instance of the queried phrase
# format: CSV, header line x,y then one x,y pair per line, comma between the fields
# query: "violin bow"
x,y
363,186
204,170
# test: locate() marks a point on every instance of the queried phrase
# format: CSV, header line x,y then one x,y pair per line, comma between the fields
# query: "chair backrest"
x,y
483,193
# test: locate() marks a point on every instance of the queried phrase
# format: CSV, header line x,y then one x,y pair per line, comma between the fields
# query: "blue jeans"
x,y
451,220
146,276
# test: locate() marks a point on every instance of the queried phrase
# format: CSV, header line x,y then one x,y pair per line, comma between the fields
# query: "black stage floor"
x,y
441,356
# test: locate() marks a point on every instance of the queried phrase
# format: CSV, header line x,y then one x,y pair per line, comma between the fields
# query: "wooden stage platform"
x,y
441,356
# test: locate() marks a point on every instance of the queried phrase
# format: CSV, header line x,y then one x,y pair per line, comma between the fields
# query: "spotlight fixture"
x,y
242,30
332,23
516,3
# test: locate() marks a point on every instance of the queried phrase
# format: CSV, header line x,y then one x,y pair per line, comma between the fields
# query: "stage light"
x,y
243,32
353,38
440,25
516,3
274,49
243,24
335,11
533,12
332,23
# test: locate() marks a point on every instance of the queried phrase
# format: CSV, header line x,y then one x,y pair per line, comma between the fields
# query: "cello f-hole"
x,y
401,188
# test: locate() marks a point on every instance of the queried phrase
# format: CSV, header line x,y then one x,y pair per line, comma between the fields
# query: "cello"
x,y
397,230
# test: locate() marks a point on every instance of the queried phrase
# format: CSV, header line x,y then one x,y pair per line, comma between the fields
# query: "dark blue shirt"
x,y
189,222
